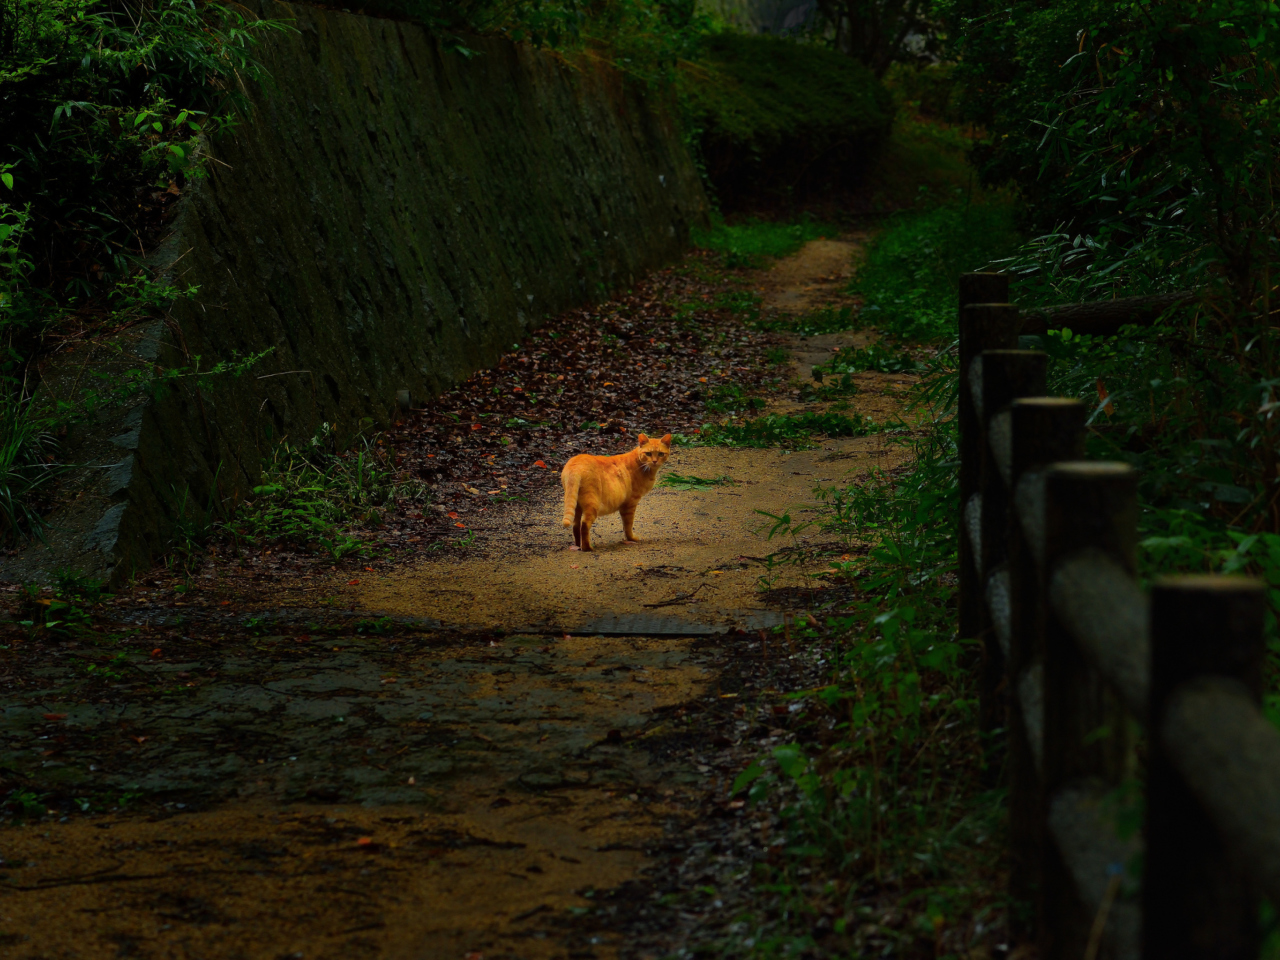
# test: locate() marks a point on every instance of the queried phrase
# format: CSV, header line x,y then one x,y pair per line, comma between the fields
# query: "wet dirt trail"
x,y
478,754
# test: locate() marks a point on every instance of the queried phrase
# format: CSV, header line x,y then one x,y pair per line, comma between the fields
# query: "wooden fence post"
x,y
983,326
996,379
1042,430
1087,506
1196,904
975,288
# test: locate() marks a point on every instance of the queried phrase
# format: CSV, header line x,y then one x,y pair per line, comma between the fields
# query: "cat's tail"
x,y
571,481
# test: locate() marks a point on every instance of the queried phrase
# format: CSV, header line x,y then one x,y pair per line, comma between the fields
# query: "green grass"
x,y
752,242
815,324
689,482
27,468
910,278
877,357
787,430
889,829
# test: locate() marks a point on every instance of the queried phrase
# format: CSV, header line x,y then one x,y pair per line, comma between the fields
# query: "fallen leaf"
x,y
540,463
412,781
461,526
352,583
364,842
477,426
453,514
156,652
140,739
55,716
702,379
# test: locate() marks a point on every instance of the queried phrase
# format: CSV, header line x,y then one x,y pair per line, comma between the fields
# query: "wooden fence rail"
x,y
1080,665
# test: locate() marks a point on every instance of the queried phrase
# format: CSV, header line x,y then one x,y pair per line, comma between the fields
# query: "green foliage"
x,y
99,100
787,430
910,277
889,801
311,491
1142,135
643,38
773,116
104,104
750,242
729,397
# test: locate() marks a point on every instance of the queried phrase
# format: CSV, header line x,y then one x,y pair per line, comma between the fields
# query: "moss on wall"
x,y
389,215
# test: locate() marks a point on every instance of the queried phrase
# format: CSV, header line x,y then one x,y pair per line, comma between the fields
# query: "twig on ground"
x,y
678,598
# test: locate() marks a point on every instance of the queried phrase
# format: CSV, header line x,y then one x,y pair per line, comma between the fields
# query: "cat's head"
x,y
653,452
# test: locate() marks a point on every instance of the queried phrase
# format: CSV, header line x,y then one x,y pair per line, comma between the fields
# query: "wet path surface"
x,y
457,758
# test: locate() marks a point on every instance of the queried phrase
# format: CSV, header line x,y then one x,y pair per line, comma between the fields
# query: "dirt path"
x,y
453,759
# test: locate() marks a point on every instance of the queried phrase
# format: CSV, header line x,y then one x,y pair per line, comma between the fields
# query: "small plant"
x,y
840,388
776,356
65,608
312,491
380,626
22,805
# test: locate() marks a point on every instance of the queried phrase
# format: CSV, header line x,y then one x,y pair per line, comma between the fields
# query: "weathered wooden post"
x,y
983,326
975,288
1042,430
996,379
1196,903
1088,506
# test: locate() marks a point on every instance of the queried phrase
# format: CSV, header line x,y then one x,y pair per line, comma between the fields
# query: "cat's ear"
x,y
642,439
667,439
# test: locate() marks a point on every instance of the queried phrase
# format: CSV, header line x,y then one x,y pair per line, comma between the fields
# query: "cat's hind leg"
x,y
577,528
584,528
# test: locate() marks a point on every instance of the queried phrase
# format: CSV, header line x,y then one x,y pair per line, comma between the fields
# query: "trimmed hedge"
x,y
777,118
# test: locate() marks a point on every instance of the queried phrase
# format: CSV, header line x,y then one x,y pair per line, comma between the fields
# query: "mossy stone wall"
x,y
390,215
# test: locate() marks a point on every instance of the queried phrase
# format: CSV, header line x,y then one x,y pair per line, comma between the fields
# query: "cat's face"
x,y
653,452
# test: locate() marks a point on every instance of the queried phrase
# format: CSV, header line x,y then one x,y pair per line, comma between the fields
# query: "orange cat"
x,y
597,486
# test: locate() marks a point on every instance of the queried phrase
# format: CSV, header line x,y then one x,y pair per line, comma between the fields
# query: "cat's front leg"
x,y
628,517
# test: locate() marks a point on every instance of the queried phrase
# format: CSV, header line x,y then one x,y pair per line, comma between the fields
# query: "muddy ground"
x,y
500,748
